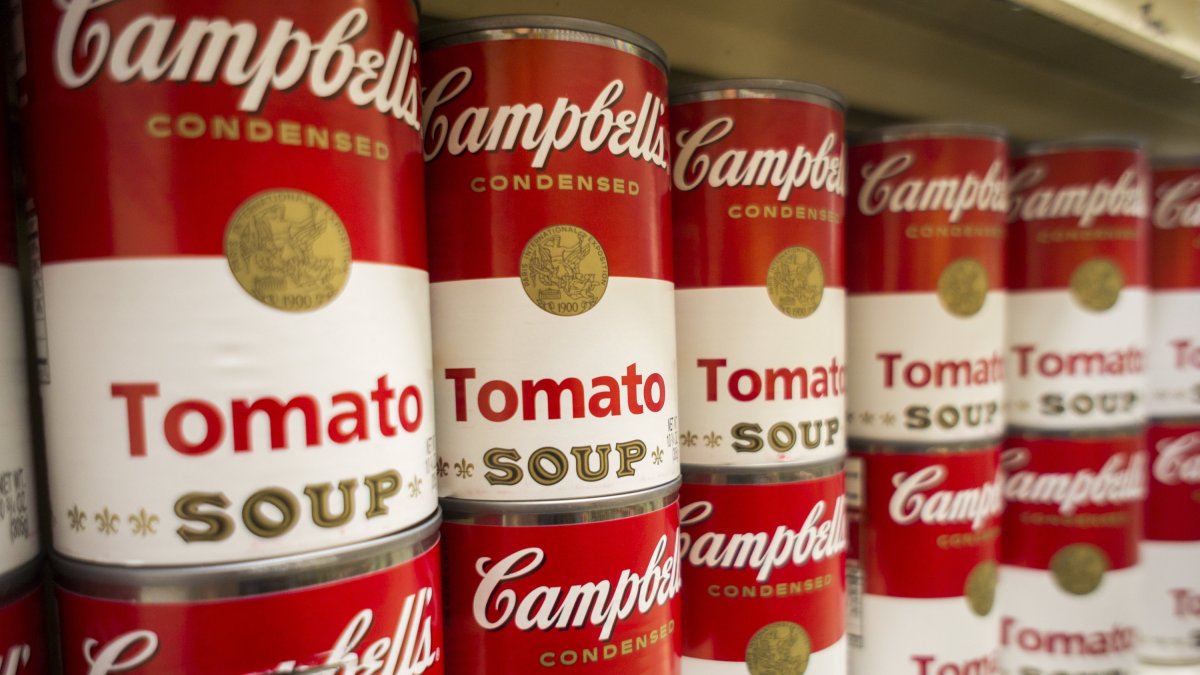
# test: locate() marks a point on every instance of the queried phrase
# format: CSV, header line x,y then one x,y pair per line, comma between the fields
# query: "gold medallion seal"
x,y
780,648
564,270
1096,283
796,282
288,249
963,286
980,589
1079,568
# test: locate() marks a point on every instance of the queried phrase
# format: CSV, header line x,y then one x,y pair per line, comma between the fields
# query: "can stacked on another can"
x,y
759,193
546,152
237,372
1074,460
925,270
1170,626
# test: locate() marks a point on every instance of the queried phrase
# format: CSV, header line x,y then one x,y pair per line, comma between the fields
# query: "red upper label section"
x,y
598,598
1072,491
916,205
22,639
1173,505
1175,235
1070,206
753,177
151,122
754,555
387,622
927,521
524,134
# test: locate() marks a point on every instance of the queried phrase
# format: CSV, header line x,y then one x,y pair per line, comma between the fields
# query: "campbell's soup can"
x,y
589,587
1170,599
923,561
763,554
369,607
22,623
18,502
546,153
235,289
760,305
925,266
1077,331
1069,576
1173,356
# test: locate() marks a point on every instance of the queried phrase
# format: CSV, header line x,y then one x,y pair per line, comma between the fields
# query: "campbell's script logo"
x,y
1177,205
786,169
1178,460
15,660
408,651
915,500
593,125
1085,202
157,48
601,603
1120,481
822,536
886,188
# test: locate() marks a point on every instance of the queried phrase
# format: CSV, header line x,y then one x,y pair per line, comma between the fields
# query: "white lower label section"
x,y
1173,354
1044,631
188,423
537,406
1170,602
18,506
828,661
922,375
755,385
1072,368
924,636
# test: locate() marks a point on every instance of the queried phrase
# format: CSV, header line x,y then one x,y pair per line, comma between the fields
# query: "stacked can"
x,y
237,354
1170,626
925,273
1074,460
554,360
759,192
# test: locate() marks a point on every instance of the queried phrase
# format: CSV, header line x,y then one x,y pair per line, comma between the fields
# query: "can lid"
x,y
540,27
227,580
1176,162
897,132
760,474
757,87
1081,143
559,511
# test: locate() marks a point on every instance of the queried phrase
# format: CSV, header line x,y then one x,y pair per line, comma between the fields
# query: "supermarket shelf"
x,y
1028,67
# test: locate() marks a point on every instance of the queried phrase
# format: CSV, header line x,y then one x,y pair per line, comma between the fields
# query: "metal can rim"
x,y
1090,434
1098,142
542,27
20,579
866,446
760,474
900,132
758,88
245,578
559,511
1176,162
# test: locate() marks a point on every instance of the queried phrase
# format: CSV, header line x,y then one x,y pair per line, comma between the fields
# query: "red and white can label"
x,y
1170,600
587,598
764,576
1069,551
759,280
1077,269
925,226
387,622
924,530
18,504
236,291
553,310
22,635
1174,346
